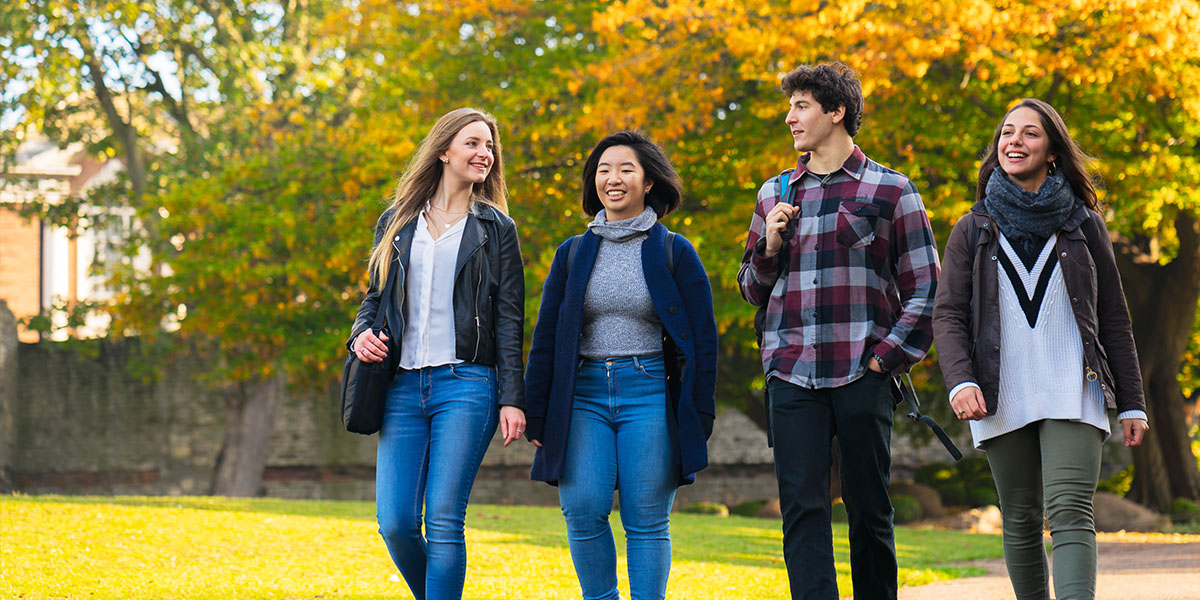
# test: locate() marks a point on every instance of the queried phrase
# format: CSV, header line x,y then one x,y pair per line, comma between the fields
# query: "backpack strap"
x,y
787,192
670,247
571,250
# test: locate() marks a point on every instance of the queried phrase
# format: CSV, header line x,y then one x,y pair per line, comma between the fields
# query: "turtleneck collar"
x,y
620,231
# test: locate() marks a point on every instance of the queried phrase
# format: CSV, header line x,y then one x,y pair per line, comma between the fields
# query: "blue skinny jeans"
x,y
436,427
620,440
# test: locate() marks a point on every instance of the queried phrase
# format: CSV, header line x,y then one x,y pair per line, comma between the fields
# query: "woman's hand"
x,y
1134,431
512,424
369,347
968,404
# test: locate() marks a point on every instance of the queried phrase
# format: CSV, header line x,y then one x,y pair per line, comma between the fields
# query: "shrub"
x,y
967,483
837,512
982,496
952,493
1184,510
747,509
706,508
934,474
1119,483
908,509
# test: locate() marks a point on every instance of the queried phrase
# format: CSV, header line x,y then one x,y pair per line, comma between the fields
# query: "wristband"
x,y
879,360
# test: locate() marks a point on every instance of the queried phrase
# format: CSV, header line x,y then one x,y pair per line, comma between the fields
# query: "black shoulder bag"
x,y
365,385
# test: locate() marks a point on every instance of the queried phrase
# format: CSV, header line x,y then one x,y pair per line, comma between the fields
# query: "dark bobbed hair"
x,y
667,188
1070,159
832,85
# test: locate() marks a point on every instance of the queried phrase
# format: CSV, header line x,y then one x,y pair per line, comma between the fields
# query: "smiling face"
x,y
621,183
810,125
1023,148
470,156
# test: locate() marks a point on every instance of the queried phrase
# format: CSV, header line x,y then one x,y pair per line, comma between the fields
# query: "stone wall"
x,y
80,418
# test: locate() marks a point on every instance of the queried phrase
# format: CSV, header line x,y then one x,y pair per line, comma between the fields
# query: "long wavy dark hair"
x,y
1070,159
664,195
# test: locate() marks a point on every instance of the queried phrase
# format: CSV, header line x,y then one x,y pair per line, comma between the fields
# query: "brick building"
x,y
42,265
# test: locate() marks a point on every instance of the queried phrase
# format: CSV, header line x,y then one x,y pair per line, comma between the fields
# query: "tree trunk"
x,y
250,410
1162,303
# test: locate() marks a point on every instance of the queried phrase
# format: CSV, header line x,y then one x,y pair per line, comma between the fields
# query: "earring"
x,y
445,160
1052,168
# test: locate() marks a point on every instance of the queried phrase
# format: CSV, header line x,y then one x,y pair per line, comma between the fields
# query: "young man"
x,y
847,273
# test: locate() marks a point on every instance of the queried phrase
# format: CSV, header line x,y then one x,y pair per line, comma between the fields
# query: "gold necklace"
x,y
450,218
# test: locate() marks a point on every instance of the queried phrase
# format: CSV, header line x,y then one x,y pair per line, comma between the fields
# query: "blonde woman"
x,y
455,330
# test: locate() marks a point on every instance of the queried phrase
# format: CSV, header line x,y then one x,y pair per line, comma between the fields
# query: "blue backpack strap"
x,y
786,191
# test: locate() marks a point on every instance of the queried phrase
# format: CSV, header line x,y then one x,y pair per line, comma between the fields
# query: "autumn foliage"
x,y
260,216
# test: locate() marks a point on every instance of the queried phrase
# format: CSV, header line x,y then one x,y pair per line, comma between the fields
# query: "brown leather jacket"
x,y
966,310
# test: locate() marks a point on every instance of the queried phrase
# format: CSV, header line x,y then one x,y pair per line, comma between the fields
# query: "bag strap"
x,y
670,248
909,392
786,191
571,251
386,298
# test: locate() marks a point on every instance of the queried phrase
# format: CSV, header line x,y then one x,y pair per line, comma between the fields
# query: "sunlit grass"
x,y
217,548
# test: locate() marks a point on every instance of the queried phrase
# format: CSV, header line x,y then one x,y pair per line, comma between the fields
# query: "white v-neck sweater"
x,y
1041,367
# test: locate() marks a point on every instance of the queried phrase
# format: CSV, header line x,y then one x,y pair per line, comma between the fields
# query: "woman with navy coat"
x,y
622,369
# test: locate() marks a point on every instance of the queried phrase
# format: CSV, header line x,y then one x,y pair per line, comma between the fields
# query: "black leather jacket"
x,y
489,297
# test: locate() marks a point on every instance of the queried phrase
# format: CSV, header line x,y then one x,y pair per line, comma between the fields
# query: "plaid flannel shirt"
x,y
862,269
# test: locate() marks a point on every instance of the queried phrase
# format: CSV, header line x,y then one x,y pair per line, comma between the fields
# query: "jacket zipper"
x,y
478,284
478,326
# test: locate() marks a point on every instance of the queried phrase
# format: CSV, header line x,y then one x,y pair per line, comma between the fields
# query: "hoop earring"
x,y
1052,169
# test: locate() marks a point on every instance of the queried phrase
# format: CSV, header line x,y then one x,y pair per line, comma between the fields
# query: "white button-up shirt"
x,y
429,327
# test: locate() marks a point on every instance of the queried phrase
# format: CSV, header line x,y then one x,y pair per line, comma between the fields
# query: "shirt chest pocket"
x,y
856,223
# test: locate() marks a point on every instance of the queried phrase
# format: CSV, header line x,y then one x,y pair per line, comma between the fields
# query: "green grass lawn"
x,y
218,548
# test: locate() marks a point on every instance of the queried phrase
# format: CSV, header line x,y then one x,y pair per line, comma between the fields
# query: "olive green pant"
x,y
1048,467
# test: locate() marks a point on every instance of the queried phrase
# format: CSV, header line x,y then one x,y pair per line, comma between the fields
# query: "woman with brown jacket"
x,y
1035,343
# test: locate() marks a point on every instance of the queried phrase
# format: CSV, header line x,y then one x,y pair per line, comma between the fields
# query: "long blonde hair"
x,y
423,175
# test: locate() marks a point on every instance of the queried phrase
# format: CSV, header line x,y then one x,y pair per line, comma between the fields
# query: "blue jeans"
x,y
619,439
436,427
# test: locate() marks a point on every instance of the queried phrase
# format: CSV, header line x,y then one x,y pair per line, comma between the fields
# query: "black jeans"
x,y
804,423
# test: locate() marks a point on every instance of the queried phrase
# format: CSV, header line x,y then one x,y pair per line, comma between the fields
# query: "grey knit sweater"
x,y
618,314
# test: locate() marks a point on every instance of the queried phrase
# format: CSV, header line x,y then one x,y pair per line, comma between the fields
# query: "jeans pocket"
x,y
878,374
654,370
470,372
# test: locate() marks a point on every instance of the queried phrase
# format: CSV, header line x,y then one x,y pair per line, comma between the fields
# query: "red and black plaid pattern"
x,y
861,272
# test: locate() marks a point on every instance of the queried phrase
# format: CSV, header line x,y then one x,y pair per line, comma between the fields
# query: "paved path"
x,y
1128,571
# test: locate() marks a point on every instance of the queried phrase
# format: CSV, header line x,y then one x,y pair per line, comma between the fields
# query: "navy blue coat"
x,y
685,307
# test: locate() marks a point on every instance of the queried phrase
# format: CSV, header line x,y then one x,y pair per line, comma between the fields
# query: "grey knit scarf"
x,y
1028,219
619,231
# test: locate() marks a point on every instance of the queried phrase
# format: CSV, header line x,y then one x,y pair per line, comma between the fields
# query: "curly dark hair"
x,y
832,85
664,195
